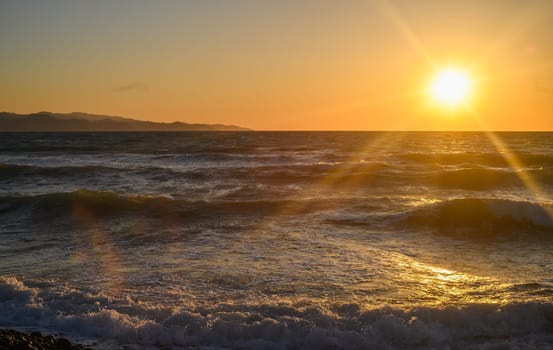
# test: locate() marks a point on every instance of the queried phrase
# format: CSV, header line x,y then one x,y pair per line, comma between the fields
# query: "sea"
x,y
279,240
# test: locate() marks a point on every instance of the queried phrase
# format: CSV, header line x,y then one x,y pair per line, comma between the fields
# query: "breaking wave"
x,y
470,217
478,217
272,324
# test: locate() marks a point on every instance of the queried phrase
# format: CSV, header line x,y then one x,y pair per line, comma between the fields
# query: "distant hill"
x,y
47,121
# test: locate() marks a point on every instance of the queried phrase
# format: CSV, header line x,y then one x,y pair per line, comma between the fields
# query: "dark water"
x,y
265,240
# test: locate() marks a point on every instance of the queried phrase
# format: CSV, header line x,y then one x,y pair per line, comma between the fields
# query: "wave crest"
x,y
478,217
106,204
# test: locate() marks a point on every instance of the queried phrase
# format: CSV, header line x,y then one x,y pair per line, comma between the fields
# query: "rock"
x,y
14,340
63,344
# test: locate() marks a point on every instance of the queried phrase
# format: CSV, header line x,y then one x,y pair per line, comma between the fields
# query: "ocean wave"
x,y
276,324
474,178
271,168
480,217
463,217
106,204
22,172
16,170
383,174
492,159
356,175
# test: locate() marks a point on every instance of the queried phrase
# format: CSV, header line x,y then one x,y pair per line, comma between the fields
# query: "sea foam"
x,y
272,324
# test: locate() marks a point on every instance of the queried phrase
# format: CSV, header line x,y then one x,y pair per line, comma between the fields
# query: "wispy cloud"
x,y
134,86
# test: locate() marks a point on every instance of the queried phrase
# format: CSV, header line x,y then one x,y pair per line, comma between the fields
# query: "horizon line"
x,y
250,129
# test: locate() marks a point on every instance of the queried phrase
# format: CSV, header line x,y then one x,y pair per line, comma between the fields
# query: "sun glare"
x,y
450,87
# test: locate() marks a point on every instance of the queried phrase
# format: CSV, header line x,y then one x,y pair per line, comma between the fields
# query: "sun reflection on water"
x,y
428,284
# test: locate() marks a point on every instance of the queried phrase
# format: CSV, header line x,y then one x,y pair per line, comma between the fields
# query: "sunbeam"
x,y
401,25
515,163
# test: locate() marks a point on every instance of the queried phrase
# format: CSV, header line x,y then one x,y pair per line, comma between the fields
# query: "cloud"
x,y
134,86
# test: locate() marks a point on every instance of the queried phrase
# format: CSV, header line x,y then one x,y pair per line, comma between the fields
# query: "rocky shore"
x,y
10,339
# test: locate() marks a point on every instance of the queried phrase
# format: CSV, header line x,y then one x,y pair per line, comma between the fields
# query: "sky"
x,y
281,65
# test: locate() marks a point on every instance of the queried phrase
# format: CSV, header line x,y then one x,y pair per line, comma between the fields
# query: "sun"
x,y
451,87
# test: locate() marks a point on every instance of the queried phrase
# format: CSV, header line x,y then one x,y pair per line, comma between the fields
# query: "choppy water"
x,y
265,240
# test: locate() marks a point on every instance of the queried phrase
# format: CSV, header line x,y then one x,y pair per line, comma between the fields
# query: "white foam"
x,y
271,325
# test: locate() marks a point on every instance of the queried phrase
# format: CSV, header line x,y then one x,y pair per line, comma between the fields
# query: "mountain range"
x,y
76,121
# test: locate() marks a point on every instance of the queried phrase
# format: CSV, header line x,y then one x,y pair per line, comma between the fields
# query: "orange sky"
x,y
319,64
